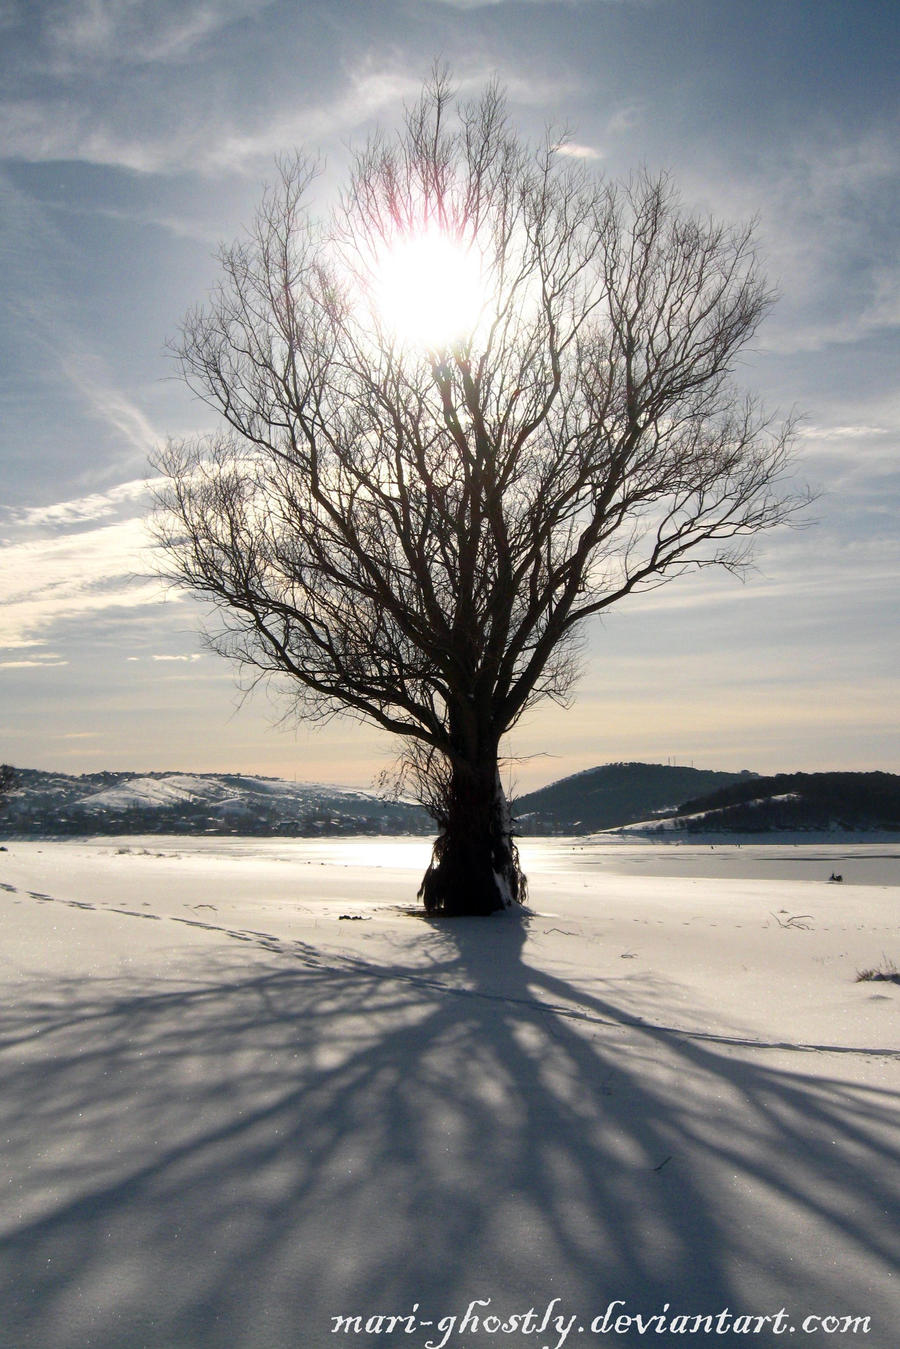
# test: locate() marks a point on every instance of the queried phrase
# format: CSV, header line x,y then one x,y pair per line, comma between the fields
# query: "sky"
x,y
137,135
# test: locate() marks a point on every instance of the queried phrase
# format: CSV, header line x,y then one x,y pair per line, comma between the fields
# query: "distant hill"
x,y
831,802
194,803
646,796
614,795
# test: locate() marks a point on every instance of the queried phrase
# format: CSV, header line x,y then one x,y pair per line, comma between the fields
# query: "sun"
x,y
429,288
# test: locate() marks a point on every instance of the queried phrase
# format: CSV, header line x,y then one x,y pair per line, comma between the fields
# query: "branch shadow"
x,y
233,1164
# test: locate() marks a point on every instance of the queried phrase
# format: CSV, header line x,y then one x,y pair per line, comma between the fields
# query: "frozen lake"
x,y
857,863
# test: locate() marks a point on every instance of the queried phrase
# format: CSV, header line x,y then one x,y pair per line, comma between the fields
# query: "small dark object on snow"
x,y
352,917
835,878
886,972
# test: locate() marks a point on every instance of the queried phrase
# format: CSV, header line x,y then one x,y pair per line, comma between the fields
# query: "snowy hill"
x,y
190,803
818,802
230,803
614,795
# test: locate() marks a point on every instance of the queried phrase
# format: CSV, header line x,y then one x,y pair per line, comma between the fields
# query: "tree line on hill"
x,y
804,801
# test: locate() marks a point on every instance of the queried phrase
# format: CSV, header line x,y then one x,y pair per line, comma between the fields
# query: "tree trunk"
x,y
474,864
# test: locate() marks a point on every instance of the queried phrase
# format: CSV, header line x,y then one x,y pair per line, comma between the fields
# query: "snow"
x,y
170,791
173,789
247,1088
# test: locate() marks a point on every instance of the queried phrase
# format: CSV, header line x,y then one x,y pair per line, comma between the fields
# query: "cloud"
x,y
843,433
827,229
48,582
853,443
108,126
370,92
83,510
48,326
27,240
88,375
576,151
73,34
50,128
77,88
181,227
624,119
45,664
80,126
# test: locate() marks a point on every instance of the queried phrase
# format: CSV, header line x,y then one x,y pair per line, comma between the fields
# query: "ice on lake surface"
x,y
857,863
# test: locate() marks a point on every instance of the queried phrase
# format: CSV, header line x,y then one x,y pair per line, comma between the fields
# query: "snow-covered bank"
x,y
673,832
246,1092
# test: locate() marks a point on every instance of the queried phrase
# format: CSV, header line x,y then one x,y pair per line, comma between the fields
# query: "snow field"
x,y
231,1114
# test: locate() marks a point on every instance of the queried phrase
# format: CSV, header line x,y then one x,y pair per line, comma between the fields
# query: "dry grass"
x,y
886,972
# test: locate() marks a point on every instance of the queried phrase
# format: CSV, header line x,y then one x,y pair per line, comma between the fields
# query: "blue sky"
x,y
136,134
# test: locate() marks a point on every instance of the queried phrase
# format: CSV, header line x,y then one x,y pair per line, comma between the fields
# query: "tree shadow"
x,y
236,1163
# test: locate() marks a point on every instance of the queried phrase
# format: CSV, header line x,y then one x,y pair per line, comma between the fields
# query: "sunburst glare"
x,y
429,289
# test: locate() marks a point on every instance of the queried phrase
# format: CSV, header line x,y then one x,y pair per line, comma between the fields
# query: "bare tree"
x,y
9,781
416,534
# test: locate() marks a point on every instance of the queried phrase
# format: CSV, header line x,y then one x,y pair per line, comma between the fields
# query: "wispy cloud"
x,y
82,510
78,70
234,139
52,581
180,226
371,89
75,33
843,433
45,664
50,325
625,118
110,404
827,229
575,151
238,136
60,127
853,443
367,93
27,240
